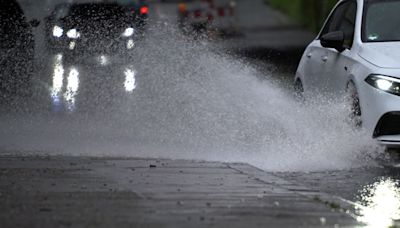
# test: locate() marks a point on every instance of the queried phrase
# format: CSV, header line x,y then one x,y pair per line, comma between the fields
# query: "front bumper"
x,y
101,53
392,141
380,114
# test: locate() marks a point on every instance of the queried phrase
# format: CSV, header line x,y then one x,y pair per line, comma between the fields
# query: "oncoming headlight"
x,y
128,32
384,83
58,31
73,34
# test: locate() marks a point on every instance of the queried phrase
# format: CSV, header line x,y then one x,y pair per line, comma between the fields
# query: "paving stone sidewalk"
x,y
117,192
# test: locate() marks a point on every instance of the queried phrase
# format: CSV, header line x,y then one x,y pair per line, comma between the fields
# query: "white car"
x,y
357,53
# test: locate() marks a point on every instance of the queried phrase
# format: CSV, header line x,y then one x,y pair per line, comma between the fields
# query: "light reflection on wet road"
x,y
379,203
375,191
67,81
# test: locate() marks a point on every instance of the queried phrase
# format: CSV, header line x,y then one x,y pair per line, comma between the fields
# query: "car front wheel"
x,y
299,90
353,102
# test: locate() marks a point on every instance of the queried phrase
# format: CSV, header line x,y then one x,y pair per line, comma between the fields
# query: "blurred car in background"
x,y
215,17
17,48
91,31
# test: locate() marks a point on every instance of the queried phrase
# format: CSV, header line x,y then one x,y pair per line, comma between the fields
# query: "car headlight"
x,y
58,31
73,34
128,32
384,83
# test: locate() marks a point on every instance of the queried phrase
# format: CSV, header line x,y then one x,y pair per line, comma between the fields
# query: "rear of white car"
x,y
359,47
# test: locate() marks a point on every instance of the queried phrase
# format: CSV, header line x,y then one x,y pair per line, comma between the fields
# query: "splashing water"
x,y
192,103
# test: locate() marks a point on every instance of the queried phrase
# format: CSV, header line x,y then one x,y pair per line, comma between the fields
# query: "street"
x,y
187,132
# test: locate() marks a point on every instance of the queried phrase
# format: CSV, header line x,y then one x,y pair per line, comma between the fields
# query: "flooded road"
x,y
175,97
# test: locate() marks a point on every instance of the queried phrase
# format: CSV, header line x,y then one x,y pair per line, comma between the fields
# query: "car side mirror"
x,y
34,23
333,40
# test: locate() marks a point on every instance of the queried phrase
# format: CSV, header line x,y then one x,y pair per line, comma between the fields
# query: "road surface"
x,y
120,192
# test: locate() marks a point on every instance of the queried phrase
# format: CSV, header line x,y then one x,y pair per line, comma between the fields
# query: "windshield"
x,y
61,11
97,10
126,2
381,21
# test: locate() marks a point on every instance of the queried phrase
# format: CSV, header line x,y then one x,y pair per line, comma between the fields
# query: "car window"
x,y
381,21
347,24
343,19
332,23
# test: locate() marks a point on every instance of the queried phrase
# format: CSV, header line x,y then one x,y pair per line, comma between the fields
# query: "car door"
x,y
311,67
320,59
337,64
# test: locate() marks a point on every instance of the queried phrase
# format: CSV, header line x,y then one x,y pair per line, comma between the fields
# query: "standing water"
x,y
184,102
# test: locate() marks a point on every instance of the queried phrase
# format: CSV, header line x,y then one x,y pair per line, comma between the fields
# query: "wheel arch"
x,y
298,78
353,79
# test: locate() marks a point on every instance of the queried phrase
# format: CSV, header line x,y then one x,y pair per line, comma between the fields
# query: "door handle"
x,y
309,55
325,58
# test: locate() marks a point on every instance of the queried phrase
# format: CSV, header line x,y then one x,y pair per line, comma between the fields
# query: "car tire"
x,y
299,90
353,102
